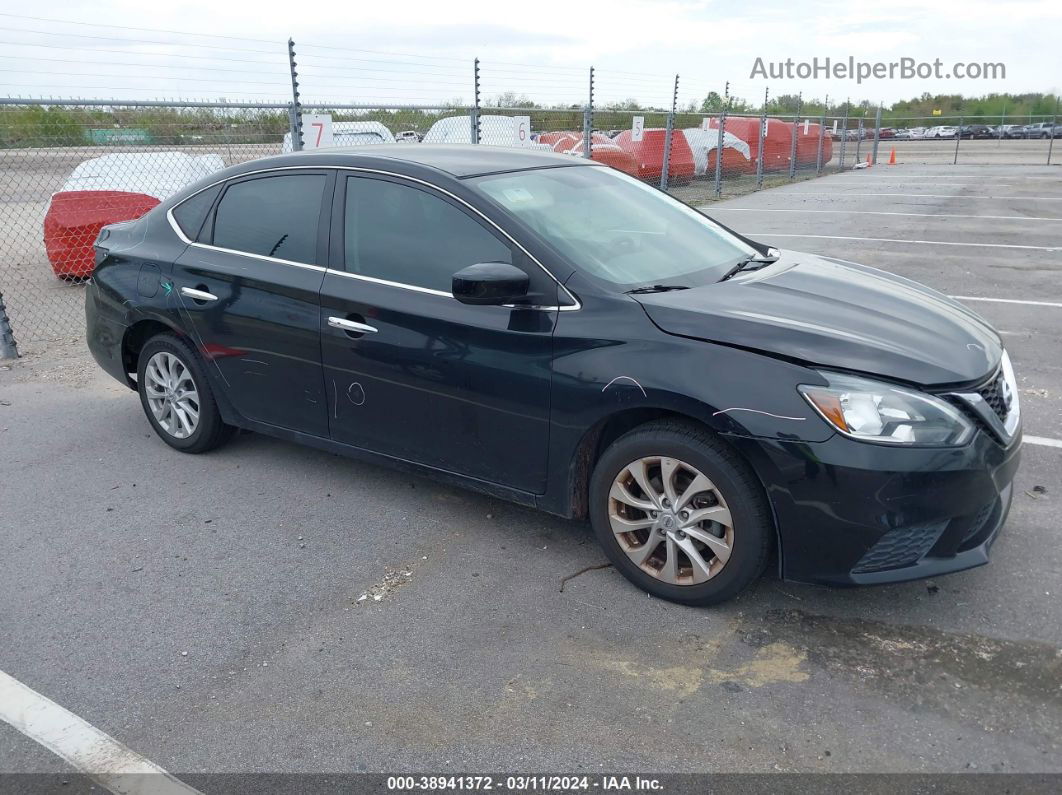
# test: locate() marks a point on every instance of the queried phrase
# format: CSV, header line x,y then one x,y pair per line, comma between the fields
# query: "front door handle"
x,y
350,325
198,295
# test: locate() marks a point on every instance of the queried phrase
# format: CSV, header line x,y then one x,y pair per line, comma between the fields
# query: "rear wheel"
x,y
177,398
680,514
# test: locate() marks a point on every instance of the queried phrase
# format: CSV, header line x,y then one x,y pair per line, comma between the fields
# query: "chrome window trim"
x,y
574,306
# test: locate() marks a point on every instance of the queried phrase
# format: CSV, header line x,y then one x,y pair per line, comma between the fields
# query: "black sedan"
x,y
976,131
550,331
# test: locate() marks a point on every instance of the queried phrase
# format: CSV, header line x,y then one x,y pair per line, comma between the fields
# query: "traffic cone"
x,y
892,157
869,162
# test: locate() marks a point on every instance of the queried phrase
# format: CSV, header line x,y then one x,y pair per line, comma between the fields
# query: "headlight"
x,y
873,411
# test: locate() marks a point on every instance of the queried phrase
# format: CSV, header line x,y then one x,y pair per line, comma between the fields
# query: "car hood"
x,y
831,313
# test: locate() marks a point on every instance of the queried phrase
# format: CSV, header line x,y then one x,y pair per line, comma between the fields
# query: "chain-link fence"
x,y
67,167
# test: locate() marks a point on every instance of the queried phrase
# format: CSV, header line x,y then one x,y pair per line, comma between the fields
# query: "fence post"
x,y
588,120
669,129
719,145
793,146
859,136
822,132
877,136
1051,140
474,116
8,348
763,140
958,138
844,134
296,132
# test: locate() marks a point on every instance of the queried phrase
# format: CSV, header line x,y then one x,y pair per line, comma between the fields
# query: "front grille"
x,y
902,546
995,395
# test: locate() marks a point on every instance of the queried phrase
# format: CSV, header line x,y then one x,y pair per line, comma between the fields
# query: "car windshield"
x,y
617,228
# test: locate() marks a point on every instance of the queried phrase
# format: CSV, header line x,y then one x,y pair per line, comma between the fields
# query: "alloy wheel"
x,y
671,520
172,395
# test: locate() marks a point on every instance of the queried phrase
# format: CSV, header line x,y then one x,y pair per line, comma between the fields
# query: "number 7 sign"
x,y
317,131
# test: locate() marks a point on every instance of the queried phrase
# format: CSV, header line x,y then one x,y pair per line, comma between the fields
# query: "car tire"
x,y
744,535
172,385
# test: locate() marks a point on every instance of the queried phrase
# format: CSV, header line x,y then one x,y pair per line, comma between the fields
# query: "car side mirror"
x,y
490,283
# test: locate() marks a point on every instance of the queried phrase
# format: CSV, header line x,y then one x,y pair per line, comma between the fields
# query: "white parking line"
x,y
915,242
1042,441
91,751
1006,301
933,177
844,194
879,212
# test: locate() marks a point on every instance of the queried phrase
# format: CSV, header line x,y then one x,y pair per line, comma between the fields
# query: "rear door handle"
x,y
350,325
198,295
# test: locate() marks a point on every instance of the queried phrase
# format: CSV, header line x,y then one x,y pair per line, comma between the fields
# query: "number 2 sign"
x,y
317,131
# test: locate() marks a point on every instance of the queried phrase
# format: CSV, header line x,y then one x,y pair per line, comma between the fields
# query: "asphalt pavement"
x,y
207,611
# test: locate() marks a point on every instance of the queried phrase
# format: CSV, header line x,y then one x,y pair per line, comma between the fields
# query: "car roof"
x,y
459,160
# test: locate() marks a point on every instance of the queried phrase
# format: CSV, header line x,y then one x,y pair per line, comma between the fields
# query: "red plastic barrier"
x,y
778,145
75,218
603,149
649,154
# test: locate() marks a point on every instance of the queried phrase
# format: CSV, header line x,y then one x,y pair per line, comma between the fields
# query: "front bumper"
x,y
855,513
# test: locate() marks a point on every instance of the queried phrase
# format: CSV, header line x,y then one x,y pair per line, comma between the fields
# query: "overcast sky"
x,y
421,50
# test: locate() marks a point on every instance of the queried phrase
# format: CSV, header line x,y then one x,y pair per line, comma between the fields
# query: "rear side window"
x,y
191,213
272,216
407,235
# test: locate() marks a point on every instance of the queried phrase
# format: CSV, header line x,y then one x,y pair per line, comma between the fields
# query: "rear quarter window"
x,y
191,213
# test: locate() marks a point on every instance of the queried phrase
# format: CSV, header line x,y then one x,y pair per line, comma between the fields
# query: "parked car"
x,y
1011,131
493,131
559,334
408,136
887,132
108,189
1043,129
945,131
352,133
975,131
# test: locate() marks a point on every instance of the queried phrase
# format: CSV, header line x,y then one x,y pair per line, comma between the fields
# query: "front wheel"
x,y
680,514
176,397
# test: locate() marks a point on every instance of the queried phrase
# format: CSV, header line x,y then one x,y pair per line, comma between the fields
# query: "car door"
x,y
410,371
249,291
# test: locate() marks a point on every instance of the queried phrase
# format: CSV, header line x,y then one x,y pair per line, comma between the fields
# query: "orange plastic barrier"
x,y
75,218
649,154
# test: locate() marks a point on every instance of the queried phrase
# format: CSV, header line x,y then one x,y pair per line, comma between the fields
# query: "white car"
x,y
493,131
351,133
945,131
408,137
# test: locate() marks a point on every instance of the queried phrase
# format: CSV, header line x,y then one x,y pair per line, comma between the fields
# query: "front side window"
x,y
272,216
616,228
403,234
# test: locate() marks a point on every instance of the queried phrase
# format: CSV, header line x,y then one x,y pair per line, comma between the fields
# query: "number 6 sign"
x,y
317,131
522,128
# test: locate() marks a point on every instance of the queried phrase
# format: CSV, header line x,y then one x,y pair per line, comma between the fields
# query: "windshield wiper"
x,y
657,288
753,263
